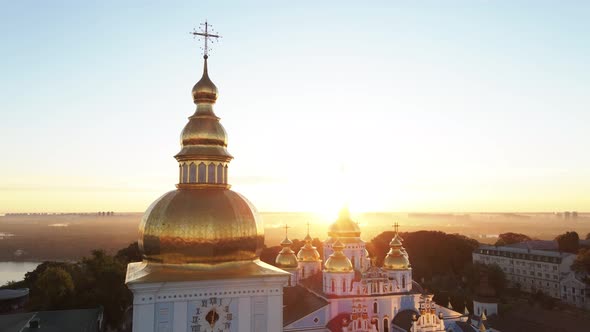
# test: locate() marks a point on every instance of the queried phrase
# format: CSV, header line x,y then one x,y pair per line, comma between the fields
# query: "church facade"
x,y
201,270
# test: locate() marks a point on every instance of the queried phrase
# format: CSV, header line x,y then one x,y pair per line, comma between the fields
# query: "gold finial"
x,y
395,226
286,228
308,228
208,36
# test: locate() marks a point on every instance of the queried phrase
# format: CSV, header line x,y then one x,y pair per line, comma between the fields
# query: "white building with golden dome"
x,y
201,243
350,294
201,270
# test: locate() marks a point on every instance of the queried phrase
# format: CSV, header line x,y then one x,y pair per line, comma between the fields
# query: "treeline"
x,y
98,280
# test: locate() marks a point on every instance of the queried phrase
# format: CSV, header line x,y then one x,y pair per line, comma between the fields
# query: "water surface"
x,y
15,270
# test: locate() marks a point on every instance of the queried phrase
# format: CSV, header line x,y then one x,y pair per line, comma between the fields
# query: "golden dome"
x,y
396,258
205,91
338,262
204,137
308,253
286,257
344,226
207,225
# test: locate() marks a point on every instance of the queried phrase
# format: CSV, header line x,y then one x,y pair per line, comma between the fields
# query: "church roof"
x,y
143,272
299,302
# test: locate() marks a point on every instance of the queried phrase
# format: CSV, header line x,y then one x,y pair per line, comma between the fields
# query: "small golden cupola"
x,y
286,257
396,259
338,262
308,253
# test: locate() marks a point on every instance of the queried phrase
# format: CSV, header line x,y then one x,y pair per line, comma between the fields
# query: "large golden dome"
x,y
344,227
207,225
338,262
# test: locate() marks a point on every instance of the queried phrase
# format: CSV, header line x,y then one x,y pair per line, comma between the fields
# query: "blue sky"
x,y
395,105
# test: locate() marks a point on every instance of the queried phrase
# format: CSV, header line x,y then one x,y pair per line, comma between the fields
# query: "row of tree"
x,y
98,280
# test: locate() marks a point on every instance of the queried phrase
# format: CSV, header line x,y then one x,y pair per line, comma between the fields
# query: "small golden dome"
x,y
308,253
286,258
205,91
207,226
204,137
344,226
338,262
395,260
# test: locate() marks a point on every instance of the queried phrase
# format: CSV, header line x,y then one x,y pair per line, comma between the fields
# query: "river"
x,y
15,270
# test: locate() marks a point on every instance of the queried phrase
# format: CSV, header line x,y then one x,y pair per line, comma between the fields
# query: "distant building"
x,y
530,269
575,291
538,270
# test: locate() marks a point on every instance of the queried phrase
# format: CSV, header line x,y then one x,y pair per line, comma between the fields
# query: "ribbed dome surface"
x,y
207,225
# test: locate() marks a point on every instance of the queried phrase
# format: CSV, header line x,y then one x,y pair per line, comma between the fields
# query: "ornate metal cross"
x,y
395,226
209,36
286,228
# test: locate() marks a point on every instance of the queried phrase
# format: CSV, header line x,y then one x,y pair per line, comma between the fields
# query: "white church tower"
x,y
201,242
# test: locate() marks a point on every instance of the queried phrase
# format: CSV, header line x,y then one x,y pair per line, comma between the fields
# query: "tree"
x,y
496,277
431,253
582,262
510,238
56,288
568,242
129,254
588,236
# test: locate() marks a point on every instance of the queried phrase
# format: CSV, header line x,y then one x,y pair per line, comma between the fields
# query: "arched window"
x,y
374,307
220,173
192,173
211,175
180,167
303,273
403,281
225,175
333,286
353,266
343,285
202,173
184,173
385,325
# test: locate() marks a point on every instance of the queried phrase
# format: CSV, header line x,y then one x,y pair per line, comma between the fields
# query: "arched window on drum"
x,y
219,173
192,173
202,173
211,173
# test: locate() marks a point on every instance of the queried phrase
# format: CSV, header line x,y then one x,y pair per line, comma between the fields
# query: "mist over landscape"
x,y
39,237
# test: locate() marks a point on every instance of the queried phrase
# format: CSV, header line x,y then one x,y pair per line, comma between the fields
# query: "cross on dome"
x,y
208,35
